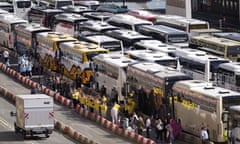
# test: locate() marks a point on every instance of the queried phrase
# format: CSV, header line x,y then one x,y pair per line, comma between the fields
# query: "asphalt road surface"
x,y
8,136
68,116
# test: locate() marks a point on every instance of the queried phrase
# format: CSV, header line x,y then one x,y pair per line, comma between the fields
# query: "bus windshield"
x,y
170,63
90,55
215,64
177,38
112,46
138,26
63,3
198,26
233,51
230,101
23,4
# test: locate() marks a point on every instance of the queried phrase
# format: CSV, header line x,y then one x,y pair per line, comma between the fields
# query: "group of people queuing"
x,y
163,131
25,65
96,104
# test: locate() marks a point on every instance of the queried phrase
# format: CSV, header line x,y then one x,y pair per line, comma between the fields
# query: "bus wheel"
x,y
24,134
16,128
46,134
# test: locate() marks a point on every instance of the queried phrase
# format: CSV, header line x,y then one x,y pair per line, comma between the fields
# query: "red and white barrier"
x,y
72,133
66,102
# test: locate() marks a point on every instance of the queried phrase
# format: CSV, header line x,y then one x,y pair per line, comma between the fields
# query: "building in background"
x,y
220,13
179,7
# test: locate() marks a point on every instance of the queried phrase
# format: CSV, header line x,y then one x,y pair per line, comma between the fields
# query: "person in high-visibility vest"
x,y
88,102
225,135
81,100
75,96
104,109
96,105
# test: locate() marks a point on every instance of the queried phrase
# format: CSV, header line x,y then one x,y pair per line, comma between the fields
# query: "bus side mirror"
x,y
225,117
12,114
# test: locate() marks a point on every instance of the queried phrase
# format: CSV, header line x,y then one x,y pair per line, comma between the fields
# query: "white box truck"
x,y
34,114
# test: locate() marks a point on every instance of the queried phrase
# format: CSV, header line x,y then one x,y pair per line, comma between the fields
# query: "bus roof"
x,y
76,9
88,2
233,66
148,67
228,35
55,36
11,19
98,25
157,46
164,29
205,31
198,55
160,71
125,18
179,20
98,15
203,58
80,46
149,55
189,51
215,40
117,60
70,17
127,34
205,88
188,84
32,27
100,38
215,92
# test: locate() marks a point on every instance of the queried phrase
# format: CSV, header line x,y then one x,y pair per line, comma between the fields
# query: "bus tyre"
x,y
24,134
46,134
17,130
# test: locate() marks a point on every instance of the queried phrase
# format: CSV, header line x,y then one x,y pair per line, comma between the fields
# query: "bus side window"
x,y
238,80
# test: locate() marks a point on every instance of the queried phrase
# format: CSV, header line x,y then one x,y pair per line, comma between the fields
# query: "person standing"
x,y
75,96
148,126
57,83
6,58
78,81
204,135
23,68
20,59
114,95
169,135
114,115
103,91
29,66
159,129
141,125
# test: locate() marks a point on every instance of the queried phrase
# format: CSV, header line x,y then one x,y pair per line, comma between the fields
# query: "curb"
x,y
57,124
66,102
72,133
